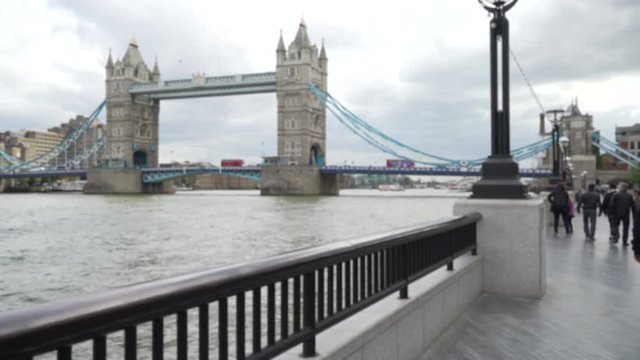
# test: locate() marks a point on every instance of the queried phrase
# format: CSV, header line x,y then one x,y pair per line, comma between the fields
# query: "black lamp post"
x,y
555,140
566,160
500,176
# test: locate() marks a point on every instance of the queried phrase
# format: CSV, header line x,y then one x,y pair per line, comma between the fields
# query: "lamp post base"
x,y
500,180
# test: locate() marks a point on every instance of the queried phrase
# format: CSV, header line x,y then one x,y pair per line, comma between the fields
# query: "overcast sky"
x,y
417,70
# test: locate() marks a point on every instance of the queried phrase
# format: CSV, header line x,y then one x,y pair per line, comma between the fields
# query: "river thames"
x,y
58,245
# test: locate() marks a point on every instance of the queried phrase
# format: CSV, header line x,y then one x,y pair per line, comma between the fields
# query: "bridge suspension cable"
x,y
364,130
64,145
371,135
613,149
10,159
526,80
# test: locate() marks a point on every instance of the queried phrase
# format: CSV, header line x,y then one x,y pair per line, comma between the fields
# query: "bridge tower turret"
x,y
301,118
132,121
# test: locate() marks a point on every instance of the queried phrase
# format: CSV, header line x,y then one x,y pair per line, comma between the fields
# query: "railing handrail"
x,y
80,318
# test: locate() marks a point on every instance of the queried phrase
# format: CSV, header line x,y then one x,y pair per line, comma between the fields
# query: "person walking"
x,y
606,208
559,199
636,197
590,204
636,236
622,205
571,212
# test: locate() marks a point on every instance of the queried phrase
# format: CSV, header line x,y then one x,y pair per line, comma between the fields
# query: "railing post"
x,y
474,251
309,313
404,271
452,237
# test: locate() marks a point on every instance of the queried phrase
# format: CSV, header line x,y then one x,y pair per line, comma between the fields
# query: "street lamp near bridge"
x,y
555,139
500,176
566,160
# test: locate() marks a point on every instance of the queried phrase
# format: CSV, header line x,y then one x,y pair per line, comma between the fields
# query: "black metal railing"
x,y
205,313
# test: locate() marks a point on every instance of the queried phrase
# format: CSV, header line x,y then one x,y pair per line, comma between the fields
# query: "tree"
x,y
634,176
596,151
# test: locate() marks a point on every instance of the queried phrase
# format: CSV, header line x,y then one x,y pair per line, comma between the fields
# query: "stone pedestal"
x,y
122,181
511,238
297,180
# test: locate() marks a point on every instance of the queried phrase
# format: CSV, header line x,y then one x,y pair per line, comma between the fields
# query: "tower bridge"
x,y
134,92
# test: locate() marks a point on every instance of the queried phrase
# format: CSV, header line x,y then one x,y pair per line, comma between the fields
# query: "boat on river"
x,y
390,187
69,186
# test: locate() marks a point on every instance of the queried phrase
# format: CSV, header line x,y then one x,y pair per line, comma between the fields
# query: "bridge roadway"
x,y
591,309
163,174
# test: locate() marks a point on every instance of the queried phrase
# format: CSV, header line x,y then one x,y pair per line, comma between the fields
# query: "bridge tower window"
x,y
292,71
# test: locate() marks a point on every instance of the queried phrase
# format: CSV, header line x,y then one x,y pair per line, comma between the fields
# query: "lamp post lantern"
x,y
500,176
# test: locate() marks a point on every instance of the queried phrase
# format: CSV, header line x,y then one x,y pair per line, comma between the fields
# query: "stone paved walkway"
x,y
591,309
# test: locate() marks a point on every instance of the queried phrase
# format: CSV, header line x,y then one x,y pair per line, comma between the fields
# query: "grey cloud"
x,y
445,110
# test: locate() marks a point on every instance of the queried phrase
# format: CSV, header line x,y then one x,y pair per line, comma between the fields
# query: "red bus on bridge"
x,y
400,163
232,162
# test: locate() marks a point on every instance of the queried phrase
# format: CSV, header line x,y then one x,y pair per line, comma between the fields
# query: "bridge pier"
x,y
122,181
297,180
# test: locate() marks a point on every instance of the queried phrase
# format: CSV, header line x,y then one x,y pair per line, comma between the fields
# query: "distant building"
x,y
223,182
11,146
628,138
28,145
578,128
92,135
611,163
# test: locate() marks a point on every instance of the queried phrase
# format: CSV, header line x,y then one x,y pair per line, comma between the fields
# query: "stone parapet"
x,y
510,237
403,329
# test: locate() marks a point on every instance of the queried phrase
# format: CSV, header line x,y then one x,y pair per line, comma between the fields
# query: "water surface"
x,y
61,244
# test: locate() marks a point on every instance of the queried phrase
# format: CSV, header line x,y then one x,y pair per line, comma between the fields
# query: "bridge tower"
x,y
301,118
578,128
132,129
132,120
302,145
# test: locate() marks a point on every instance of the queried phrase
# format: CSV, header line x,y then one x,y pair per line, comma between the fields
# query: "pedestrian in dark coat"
x,y
559,199
590,204
622,205
636,236
571,212
606,209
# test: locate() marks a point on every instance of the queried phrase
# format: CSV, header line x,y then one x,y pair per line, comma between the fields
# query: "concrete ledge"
x,y
403,329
